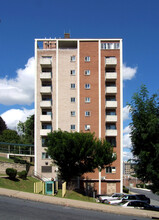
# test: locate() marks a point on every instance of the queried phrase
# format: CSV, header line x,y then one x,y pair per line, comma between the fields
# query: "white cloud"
x,y
13,116
126,137
126,113
128,72
126,141
127,130
19,90
127,156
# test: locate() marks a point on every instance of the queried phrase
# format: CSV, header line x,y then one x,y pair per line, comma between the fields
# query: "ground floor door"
x,y
49,187
111,188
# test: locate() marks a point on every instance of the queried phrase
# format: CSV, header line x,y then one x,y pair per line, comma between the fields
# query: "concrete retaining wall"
x,y
4,165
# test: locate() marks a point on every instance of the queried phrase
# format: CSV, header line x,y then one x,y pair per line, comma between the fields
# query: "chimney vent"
x,y
66,35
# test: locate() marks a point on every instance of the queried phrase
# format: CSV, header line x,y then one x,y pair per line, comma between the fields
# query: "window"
x,y
73,86
110,98
73,58
110,112
87,59
110,84
43,142
46,98
110,46
111,140
110,69
47,126
116,46
111,126
47,57
87,100
73,72
73,99
87,86
46,83
87,127
87,113
73,113
73,127
45,155
46,112
110,170
87,72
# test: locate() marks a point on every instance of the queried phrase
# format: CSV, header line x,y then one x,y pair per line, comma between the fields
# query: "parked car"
x,y
112,197
140,197
98,195
113,201
139,204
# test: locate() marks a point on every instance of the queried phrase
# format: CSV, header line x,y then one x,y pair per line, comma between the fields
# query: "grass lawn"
x,y
21,185
4,159
28,186
70,194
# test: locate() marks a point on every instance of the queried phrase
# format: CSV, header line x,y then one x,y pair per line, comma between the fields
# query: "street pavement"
x,y
154,198
79,204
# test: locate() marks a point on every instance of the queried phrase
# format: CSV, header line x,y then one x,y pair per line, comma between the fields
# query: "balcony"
x,y
45,118
44,132
111,61
111,75
111,104
45,61
111,89
45,89
45,104
111,118
111,132
45,75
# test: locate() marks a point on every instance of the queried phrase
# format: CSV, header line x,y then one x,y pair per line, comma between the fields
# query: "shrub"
x,y
125,190
23,174
11,173
16,160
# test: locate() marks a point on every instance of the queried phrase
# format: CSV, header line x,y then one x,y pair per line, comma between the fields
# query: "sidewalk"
x,y
79,204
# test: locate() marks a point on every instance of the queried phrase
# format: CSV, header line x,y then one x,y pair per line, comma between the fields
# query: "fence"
x,y
63,189
39,187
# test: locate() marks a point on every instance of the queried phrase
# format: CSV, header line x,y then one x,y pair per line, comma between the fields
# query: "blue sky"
x,y
135,21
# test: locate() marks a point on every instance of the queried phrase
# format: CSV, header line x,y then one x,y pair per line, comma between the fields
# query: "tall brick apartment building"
x,y
79,88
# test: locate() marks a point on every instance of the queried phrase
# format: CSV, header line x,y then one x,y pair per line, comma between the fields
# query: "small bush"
x,y
11,173
142,185
22,161
125,190
138,185
23,174
16,160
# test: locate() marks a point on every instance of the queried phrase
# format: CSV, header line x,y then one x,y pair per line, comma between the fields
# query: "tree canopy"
x,y
26,130
145,135
2,125
77,153
9,136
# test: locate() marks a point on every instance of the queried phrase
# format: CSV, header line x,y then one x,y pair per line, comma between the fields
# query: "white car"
x,y
113,201
115,196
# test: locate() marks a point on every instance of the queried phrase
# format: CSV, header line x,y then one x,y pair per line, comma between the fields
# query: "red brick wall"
x,y
89,49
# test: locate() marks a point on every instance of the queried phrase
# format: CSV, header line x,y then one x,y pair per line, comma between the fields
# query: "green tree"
x,y
2,125
145,136
77,153
9,136
26,130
